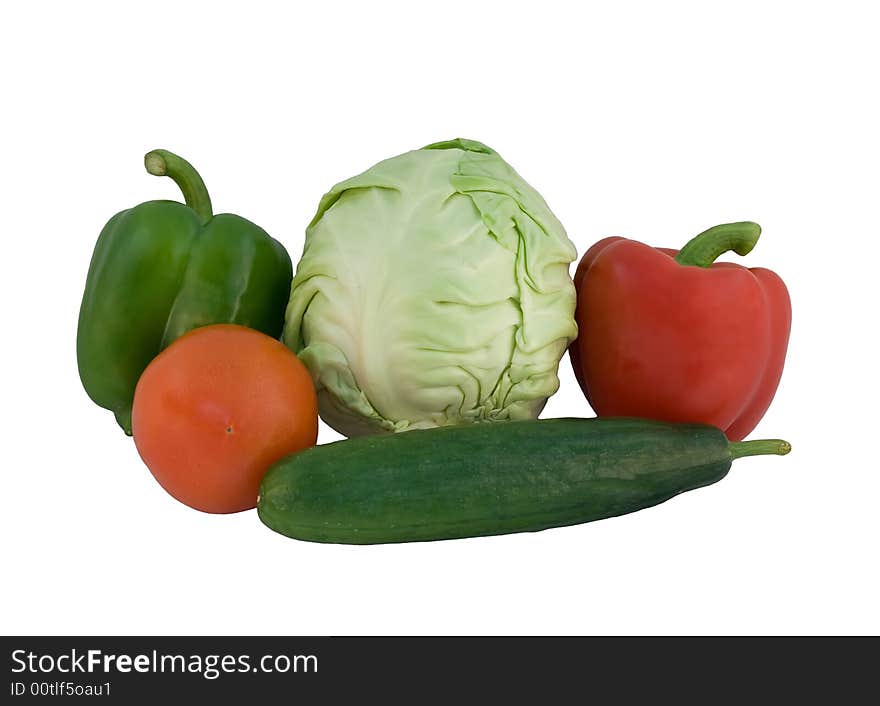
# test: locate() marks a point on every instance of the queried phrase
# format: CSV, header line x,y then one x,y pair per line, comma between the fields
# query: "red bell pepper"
x,y
675,336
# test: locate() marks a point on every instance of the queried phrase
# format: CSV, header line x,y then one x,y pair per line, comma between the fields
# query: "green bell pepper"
x,y
161,269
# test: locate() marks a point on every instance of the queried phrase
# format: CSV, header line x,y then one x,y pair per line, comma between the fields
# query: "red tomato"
x,y
216,408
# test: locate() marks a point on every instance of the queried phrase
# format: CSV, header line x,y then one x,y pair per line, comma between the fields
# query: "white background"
x,y
650,120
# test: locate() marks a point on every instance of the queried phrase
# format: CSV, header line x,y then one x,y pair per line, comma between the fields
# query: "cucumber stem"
x,y
165,163
702,250
758,447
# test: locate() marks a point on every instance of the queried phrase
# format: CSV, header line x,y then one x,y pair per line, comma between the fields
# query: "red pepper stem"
x,y
165,163
705,248
758,447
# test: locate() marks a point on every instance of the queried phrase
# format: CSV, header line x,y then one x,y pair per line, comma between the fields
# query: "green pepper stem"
x,y
705,248
758,447
165,163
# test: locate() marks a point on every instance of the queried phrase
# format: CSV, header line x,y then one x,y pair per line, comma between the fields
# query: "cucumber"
x,y
491,478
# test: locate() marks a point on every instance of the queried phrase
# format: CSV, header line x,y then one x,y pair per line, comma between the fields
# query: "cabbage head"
x,y
433,289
